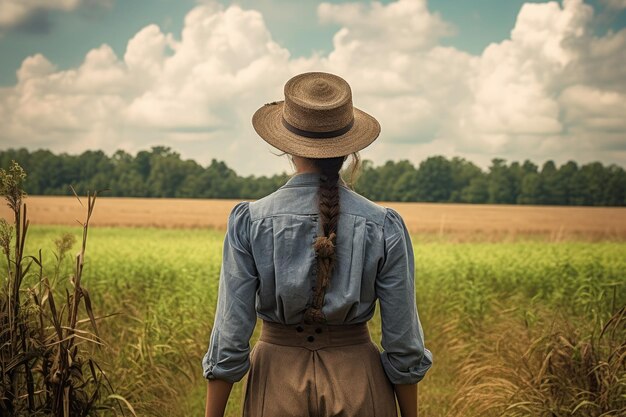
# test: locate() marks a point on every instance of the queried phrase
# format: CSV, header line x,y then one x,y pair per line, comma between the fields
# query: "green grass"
x,y
162,285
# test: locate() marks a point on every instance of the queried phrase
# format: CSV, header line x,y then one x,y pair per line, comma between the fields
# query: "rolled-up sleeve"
x,y
227,357
404,357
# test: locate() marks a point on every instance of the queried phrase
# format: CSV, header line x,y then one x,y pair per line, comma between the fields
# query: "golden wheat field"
x,y
460,221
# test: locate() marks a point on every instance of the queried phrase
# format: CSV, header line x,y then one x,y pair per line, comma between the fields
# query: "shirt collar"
x,y
307,178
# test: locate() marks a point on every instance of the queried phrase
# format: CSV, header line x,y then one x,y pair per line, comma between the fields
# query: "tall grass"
x,y
162,284
560,368
46,368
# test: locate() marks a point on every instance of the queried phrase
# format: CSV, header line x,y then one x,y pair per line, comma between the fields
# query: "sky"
x,y
477,79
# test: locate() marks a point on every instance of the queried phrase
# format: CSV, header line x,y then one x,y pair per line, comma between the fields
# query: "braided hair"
x,y
324,245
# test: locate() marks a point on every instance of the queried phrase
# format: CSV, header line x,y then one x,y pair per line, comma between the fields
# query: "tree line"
x,y
161,172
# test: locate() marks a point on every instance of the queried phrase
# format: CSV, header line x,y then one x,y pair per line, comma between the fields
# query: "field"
x,y
458,221
514,326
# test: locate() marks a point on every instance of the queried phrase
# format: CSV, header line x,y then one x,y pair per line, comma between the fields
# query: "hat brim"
x,y
267,122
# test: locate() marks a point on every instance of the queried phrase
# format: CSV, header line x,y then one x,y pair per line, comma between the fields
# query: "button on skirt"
x,y
317,371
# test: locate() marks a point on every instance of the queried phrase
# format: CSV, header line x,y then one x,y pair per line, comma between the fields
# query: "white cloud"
x,y
389,54
377,24
513,86
553,90
526,91
590,109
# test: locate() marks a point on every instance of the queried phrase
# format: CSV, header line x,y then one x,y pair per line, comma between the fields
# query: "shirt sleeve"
x,y
227,357
404,357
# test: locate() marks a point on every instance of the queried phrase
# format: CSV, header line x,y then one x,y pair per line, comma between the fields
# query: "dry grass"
x,y
163,283
554,367
459,222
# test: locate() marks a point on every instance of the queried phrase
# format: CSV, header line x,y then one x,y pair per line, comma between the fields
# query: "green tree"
x,y
434,180
385,180
477,191
595,179
500,183
161,172
126,181
552,185
406,187
367,182
462,172
531,191
565,173
615,191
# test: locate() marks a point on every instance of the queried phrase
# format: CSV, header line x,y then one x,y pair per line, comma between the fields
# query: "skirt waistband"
x,y
314,336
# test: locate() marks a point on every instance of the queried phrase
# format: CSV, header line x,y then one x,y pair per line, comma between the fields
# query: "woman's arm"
x,y
227,358
407,399
404,357
217,394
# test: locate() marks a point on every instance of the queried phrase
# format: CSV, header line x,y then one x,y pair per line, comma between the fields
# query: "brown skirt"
x,y
317,371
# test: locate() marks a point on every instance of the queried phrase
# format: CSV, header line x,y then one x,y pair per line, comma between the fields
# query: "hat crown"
x,y
318,102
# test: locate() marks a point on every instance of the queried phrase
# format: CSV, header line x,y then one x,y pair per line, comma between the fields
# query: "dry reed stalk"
x,y
46,371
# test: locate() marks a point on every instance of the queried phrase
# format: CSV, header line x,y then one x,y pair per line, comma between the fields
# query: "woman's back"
x,y
284,226
269,271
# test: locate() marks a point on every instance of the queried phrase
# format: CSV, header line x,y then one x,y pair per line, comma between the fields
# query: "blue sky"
x,y
478,79
65,38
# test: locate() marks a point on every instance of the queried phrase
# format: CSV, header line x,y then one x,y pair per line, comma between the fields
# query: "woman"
x,y
310,260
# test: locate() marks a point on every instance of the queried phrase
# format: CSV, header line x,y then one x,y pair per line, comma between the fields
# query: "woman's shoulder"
x,y
239,214
359,205
301,200
387,217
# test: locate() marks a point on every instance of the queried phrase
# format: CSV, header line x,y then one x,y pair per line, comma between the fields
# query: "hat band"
x,y
318,135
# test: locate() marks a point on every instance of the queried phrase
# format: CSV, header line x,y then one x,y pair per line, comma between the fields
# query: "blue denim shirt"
x,y
268,272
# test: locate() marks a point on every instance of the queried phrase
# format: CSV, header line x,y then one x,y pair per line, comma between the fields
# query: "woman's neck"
x,y
304,165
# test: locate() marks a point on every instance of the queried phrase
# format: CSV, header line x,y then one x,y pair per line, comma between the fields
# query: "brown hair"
x,y
324,245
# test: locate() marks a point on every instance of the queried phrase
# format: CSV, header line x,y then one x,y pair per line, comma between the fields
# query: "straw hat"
x,y
316,119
